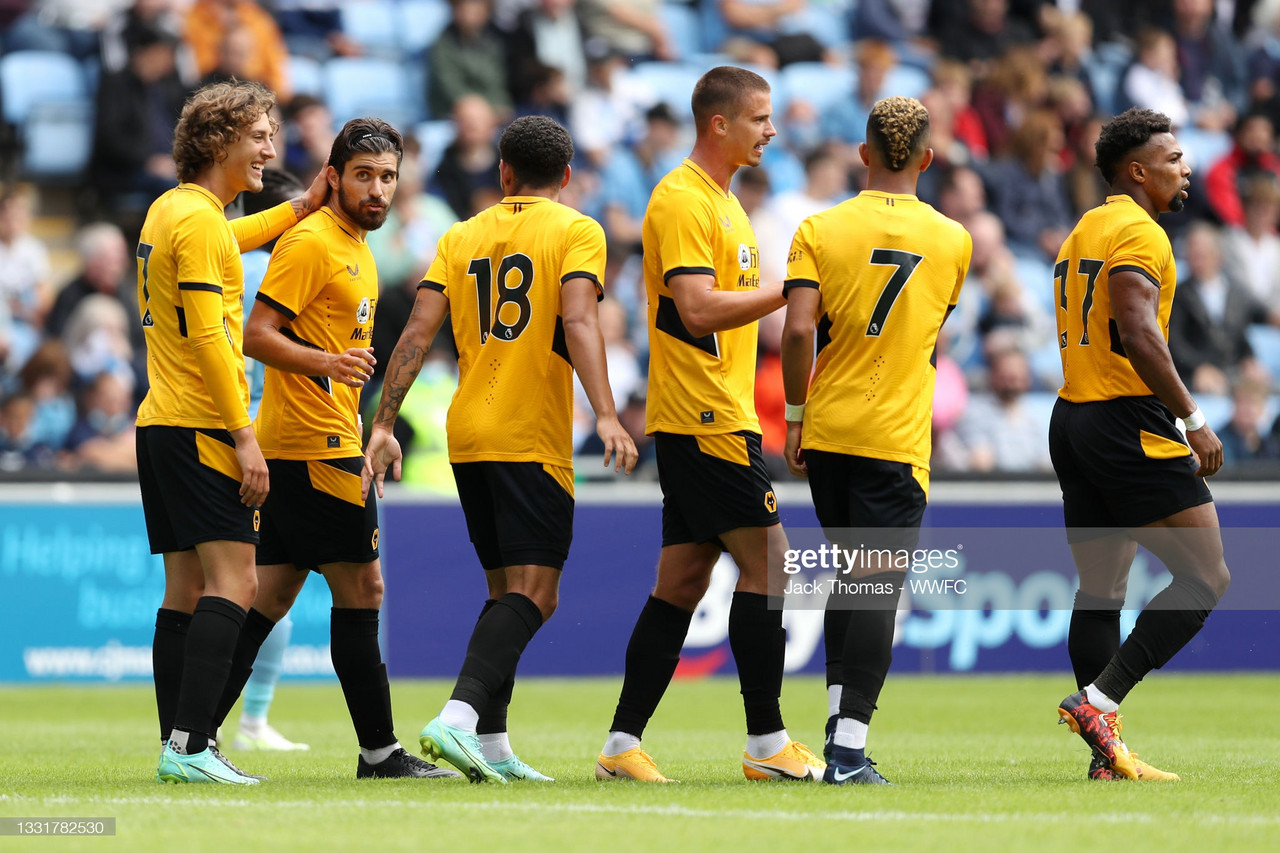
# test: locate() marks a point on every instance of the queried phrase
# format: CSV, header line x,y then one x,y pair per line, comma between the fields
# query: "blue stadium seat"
x,y
819,83
421,22
58,141
30,77
374,25
1217,409
360,86
1203,148
671,82
434,137
683,28
1265,341
906,80
306,75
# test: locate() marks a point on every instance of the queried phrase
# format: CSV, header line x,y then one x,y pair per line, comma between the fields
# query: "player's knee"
x,y
547,603
369,589
1218,578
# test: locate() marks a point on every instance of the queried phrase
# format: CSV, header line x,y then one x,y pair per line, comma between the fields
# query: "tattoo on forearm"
x,y
300,207
406,361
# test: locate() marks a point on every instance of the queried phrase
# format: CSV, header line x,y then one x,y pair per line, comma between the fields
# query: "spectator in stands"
x,y
106,267
753,187
771,397
548,95
954,83
17,412
997,429
1026,187
137,108
846,120
626,375
633,29
1016,87
46,380
1252,251
950,398
1242,438
1083,182
550,33
468,58
1252,153
609,112
629,176
826,183
894,21
1208,320
1151,81
1210,62
961,195
308,137
25,285
97,340
208,23
65,26
159,14
1069,43
314,28
984,32
102,438
769,33
467,176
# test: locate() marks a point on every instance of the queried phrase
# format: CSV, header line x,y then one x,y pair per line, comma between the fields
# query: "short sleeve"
x,y
683,226
296,273
1142,248
802,263
962,269
585,254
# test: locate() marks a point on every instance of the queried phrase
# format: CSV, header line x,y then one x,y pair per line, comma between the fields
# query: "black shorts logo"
x,y
770,502
257,520
374,542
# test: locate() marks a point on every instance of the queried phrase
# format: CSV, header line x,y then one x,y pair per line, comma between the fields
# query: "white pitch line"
x,y
668,811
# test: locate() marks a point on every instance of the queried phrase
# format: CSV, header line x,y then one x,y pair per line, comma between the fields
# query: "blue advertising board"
x,y
80,592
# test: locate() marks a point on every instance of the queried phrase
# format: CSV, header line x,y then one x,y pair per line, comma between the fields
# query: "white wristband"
x,y
794,414
1194,421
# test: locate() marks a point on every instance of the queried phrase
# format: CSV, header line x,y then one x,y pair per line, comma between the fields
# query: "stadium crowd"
x,y
1017,91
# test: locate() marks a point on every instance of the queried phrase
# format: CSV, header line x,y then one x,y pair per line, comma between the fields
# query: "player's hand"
x,y
618,445
255,481
382,453
315,196
1206,448
793,454
353,367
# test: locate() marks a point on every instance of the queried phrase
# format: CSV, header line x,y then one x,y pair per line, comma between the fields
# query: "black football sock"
x,y
759,644
835,625
494,652
357,660
254,633
493,716
1094,635
652,655
167,651
1168,623
211,641
868,647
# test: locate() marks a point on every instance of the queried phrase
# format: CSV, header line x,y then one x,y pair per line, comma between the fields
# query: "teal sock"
x,y
267,669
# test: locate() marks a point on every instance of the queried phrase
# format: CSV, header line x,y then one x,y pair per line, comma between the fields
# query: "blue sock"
x,y
267,668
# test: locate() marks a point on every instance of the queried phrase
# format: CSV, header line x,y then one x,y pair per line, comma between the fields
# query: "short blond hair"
x,y
897,130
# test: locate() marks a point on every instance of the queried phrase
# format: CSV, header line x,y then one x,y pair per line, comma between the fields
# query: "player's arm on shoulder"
x,y
578,300
1135,303
252,231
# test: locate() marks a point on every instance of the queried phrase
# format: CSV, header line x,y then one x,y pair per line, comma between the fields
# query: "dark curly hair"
x,y
368,136
898,128
722,91
537,148
1132,129
213,119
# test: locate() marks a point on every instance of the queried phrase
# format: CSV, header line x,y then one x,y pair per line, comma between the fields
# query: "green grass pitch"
x,y
977,764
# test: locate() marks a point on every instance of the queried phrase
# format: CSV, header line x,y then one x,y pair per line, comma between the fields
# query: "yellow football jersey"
x,y
887,267
502,271
1115,236
188,245
698,385
323,278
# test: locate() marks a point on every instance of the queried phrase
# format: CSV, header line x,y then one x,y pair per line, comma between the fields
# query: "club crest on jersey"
x,y
362,313
744,256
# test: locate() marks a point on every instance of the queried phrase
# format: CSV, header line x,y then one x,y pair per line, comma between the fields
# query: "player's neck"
x,y
522,191
1139,198
218,182
335,209
893,183
710,160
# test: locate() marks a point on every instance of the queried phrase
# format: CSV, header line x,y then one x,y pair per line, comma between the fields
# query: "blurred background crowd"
x,y
1017,91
